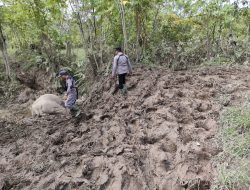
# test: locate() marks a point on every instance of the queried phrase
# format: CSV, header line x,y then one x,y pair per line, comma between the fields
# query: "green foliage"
x,y
175,34
177,29
217,61
76,69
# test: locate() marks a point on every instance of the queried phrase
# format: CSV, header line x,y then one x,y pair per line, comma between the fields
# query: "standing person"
x,y
71,93
121,67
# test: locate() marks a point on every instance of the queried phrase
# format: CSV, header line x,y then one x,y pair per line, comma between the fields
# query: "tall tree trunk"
x,y
89,50
68,49
102,40
92,48
3,48
93,16
79,22
49,51
220,46
208,46
248,38
19,43
81,28
123,21
93,40
208,40
138,33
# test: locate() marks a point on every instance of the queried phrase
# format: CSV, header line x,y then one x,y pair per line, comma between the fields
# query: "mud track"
x,y
161,137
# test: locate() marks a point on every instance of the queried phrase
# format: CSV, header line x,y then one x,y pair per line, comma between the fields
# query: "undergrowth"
x,y
234,162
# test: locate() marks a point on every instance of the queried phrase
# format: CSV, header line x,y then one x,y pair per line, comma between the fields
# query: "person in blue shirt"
x,y
71,94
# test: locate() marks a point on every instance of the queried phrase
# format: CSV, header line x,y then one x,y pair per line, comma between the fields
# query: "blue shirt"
x,y
71,86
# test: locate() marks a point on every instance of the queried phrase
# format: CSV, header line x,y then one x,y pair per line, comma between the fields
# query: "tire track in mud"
x,y
160,137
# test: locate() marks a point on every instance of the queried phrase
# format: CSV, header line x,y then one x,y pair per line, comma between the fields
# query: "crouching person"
x,y
71,94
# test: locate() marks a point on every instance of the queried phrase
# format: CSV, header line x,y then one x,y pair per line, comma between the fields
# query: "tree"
x,y
3,46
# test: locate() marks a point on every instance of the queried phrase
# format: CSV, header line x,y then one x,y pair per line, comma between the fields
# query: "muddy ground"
x,y
162,136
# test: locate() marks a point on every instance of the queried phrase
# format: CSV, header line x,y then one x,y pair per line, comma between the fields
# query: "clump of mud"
x,y
160,137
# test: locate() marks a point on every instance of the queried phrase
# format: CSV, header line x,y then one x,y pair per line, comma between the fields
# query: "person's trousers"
x,y
71,100
122,80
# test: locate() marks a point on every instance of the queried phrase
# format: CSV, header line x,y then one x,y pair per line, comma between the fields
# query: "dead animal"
x,y
48,104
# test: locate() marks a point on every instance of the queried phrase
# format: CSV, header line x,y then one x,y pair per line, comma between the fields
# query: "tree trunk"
x,y
102,40
208,41
138,33
68,49
94,18
79,22
18,38
123,21
89,50
92,49
3,48
208,46
49,51
81,27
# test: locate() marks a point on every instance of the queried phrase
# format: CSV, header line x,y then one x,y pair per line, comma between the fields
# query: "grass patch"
x,y
234,161
217,61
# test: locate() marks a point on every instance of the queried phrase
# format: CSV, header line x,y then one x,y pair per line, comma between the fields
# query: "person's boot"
x,y
75,111
124,90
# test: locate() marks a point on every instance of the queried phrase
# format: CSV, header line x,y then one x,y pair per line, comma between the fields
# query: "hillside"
x,y
162,136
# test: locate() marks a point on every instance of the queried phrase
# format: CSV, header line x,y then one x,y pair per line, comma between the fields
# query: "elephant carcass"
x,y
48,104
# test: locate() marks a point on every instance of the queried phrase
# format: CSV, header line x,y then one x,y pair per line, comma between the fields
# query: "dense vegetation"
x,y
175,34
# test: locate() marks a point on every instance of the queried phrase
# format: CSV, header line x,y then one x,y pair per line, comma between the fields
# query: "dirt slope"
x,y
161,137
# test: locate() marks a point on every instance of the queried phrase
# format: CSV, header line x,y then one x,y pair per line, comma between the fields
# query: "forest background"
x,y
81,35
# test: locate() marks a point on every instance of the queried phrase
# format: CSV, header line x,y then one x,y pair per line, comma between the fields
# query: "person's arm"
x,y
114,67
69,85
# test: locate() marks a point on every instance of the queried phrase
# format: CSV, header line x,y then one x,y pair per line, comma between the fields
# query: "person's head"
x,y
118,50
63,74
